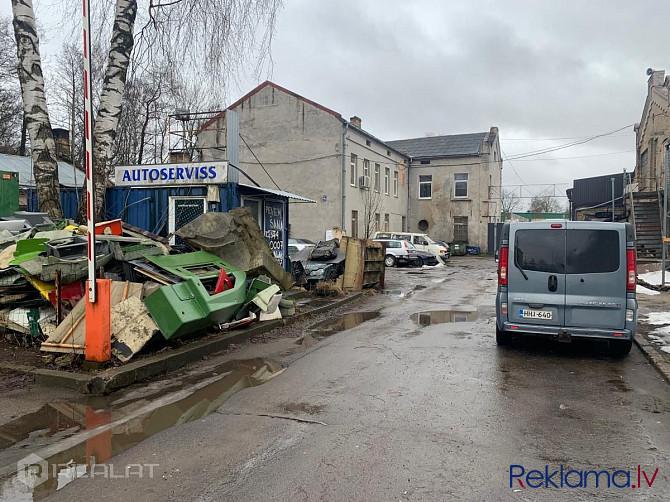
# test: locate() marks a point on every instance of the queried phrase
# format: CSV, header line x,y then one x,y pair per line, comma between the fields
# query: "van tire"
x,y
389,261
503,337
620,348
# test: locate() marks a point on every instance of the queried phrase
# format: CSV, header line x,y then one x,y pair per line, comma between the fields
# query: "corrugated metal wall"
x,y
69,198
597,190
147,208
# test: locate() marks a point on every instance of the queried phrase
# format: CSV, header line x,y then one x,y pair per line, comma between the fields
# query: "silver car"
x,y
565,279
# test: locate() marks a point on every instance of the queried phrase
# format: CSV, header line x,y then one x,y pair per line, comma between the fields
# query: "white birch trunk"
x,y
111,98
45,166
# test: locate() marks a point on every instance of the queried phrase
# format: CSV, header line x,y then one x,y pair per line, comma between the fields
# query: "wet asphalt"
x,y
401,406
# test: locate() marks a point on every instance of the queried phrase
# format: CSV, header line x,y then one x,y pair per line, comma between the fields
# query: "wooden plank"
x,y
73,327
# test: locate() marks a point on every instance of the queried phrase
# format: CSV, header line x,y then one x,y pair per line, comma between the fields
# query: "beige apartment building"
x,y
360,183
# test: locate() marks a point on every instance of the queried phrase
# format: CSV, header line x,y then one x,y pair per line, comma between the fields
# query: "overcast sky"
x,y
536,69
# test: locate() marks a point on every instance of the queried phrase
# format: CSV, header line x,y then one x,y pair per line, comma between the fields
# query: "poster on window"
x,y
273,227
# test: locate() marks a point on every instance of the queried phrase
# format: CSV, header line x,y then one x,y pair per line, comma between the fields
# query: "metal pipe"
x,y
344,175
664,230
612,180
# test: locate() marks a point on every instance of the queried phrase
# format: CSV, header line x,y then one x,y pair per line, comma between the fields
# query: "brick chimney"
x,y
355,121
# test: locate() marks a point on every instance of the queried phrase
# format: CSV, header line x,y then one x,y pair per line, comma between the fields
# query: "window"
x,y
377,222
387,180
386,222
354,170
419,240
425,162
366,167
404,224
377,177
368,142
395,183
592,251
540,251
354,224
393,244
425,186
461,185
460,228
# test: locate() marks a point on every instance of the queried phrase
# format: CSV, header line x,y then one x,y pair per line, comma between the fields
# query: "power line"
x,y
559,139
566,145
259,162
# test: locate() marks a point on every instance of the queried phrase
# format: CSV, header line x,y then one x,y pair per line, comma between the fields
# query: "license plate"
x,y
536,314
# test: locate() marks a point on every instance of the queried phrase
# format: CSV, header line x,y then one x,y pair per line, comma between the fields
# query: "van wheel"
x,y
389,261
503,337
620,348
417,262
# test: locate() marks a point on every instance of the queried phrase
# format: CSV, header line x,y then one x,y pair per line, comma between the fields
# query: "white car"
x,y
300,244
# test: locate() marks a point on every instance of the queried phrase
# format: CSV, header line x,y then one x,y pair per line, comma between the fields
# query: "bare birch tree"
x,y
45,166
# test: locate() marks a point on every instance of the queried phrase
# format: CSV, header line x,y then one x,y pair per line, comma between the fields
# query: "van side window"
x,y
540,250
592,251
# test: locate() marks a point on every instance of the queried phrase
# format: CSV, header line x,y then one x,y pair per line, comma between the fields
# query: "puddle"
x,y
429,317
341,323
62,441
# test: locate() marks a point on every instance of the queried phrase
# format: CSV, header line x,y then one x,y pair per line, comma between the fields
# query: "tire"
x,y
503,338
620,348
417,262
389,261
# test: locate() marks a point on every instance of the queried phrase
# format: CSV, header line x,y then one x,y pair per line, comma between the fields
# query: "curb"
x,y
656,359
113,379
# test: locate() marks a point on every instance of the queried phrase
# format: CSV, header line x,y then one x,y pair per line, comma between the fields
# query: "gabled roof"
x,y
68,175
279,88
455,145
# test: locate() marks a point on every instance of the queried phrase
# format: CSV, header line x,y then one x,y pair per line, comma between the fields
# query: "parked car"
x,y
445,246
421,241
397,252
421,258
300,244
567,279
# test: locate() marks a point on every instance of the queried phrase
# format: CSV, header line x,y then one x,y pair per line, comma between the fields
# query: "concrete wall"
x,y
299,145
363,200
481,206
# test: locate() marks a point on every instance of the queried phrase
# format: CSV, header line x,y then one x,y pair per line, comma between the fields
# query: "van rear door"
x,y
595,294
536,274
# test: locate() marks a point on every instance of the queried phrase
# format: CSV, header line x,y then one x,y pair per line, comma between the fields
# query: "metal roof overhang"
x,y
280,193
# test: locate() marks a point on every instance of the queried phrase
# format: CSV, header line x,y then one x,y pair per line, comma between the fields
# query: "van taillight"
x,y
630,269
502,266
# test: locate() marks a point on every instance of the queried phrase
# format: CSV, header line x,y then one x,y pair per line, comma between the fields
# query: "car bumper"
x,y
555,331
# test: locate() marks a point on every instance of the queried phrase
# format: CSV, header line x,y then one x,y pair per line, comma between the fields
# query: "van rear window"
x,y
592,251
540,250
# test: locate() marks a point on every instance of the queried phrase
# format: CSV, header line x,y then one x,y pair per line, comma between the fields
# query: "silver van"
x,y
565,279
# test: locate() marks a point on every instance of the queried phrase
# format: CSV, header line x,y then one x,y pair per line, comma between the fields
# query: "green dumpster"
x,y
458,248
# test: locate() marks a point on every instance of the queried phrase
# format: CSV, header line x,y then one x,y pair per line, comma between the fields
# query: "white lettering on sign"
x,y
273,228
172,174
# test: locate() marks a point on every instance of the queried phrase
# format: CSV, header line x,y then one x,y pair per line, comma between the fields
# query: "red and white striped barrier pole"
x,y
98,345
88,138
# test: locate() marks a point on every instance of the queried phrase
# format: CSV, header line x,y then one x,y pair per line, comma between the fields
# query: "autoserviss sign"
x,y
197,173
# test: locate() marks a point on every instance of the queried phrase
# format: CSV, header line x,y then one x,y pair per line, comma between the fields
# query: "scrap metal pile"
x,y
156,296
